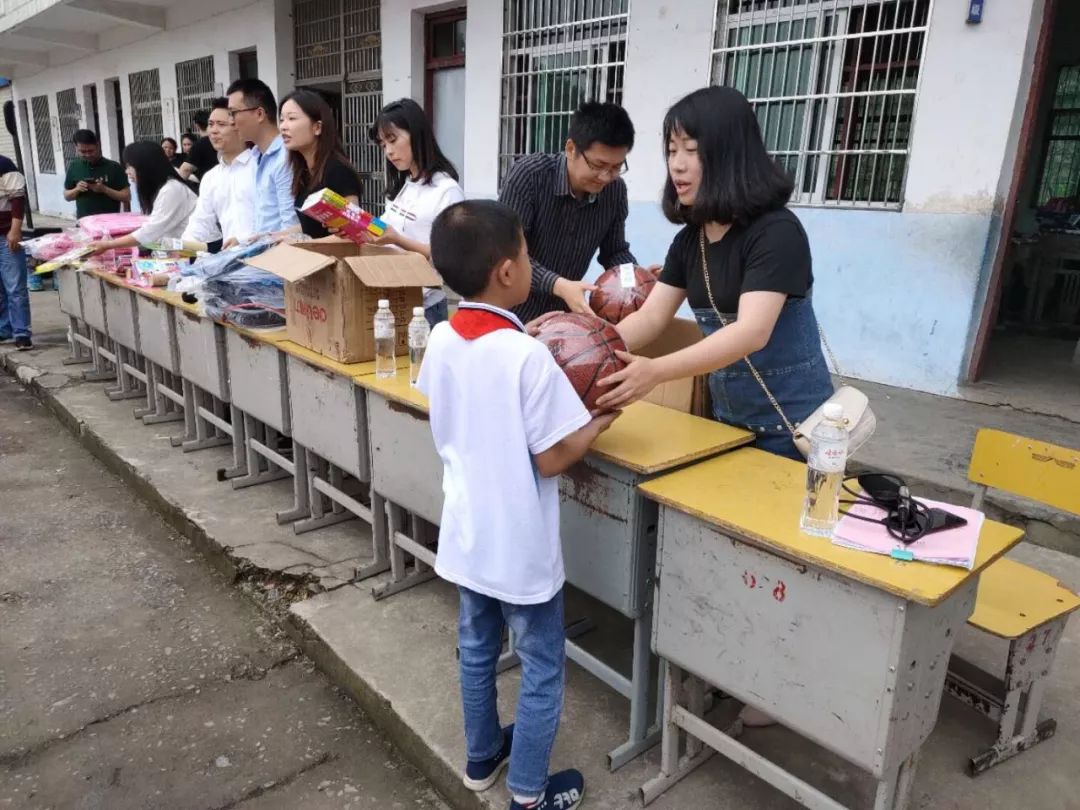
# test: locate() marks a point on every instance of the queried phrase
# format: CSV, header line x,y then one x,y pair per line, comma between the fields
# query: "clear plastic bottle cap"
x,y
418,312
384,303
833,411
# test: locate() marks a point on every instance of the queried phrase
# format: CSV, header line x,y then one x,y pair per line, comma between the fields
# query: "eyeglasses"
x,y
234,113
601,171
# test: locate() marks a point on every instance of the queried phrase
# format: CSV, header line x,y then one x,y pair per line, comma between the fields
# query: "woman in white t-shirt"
x,y
420,183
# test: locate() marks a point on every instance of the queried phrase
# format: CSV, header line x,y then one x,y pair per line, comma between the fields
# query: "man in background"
x,y
203,157
14,297
226,207
96,184
253,111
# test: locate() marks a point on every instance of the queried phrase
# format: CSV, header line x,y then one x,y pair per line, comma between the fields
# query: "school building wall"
x,y
195,29
899,293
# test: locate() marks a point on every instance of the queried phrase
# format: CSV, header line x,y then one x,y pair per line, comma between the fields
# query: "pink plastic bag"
x,y
108,226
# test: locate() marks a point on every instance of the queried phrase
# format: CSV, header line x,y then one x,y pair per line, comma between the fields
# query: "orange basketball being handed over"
x,y
584,346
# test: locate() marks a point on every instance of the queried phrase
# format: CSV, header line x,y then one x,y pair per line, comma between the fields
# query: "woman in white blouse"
x,y
163,197
420,183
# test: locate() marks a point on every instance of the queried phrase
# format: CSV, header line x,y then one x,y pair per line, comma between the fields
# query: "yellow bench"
x,y
1015,602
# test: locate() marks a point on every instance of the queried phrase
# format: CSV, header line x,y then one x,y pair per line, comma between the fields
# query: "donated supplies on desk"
x,y
332,289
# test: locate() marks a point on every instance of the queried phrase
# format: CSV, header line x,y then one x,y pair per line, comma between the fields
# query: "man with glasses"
x,y
571,205
253,111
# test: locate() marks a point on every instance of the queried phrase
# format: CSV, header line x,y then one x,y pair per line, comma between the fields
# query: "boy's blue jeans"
x,y
540,642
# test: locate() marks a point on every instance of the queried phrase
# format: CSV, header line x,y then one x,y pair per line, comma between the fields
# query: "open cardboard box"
x,y
333,287
690,395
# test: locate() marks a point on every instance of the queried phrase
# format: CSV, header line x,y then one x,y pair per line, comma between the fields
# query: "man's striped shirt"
x,y
563,232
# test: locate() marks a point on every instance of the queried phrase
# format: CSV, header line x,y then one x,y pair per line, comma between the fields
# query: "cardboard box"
x,y
690,395
333,287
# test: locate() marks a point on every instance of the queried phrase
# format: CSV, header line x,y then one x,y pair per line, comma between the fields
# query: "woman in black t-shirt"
x,y
315,154
731,196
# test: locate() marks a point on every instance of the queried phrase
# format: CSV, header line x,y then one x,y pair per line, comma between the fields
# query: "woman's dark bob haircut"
x,y
739,179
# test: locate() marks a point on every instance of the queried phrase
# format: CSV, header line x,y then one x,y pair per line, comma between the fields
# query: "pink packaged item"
x,y
108,226
956,546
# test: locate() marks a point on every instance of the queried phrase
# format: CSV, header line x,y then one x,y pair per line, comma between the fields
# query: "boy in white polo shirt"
x,y
506,423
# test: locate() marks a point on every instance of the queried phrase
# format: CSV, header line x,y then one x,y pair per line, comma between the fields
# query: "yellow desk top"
x,y
396,388
758,497
650,438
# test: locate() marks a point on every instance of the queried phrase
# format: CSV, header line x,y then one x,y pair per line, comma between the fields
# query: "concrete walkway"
x,y
135,677
397,657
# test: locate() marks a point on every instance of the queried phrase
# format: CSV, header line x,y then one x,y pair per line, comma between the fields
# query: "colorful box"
x,y
350,220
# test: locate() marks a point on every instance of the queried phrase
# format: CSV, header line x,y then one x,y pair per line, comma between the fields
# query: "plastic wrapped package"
x,y
584,347
109,226
622,291
54,245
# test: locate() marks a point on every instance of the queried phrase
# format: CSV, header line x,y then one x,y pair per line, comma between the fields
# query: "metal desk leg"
x,y
262,462
643,685
673,767
210,430
239,466
301,473
99,354
164,408
79,347
324,480
127,384
400,543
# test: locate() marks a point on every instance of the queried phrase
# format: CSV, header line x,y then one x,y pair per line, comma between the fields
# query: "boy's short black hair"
x,y
220,103
201,119
469,239
256,94
601,122
87,137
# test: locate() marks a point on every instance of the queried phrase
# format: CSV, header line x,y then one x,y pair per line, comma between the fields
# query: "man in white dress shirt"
x,y
226,209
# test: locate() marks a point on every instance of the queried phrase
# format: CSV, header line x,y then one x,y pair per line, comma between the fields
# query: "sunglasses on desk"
x,y
906,519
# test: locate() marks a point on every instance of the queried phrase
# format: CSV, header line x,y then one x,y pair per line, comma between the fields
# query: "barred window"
x,y
194,89
556,55
67,109
43,135
833,83
1060,173
146,122
339,45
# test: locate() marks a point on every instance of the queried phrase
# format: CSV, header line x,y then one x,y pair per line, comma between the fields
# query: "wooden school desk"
x,y
844,647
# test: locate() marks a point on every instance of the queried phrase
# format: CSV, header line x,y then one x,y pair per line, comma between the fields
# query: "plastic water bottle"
x,y
825,473
385,362
419,331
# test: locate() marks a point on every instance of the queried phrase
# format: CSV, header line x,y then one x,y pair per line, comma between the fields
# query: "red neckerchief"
x,y
473,323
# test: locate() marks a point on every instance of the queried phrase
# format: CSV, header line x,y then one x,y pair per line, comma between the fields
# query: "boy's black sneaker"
x,y
482,775
23,344
565,791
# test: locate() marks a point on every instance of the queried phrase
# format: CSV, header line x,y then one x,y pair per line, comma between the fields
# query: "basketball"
x,y
584,346
614,300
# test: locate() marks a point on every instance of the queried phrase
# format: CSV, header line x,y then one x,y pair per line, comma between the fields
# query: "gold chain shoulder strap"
x,y
753,370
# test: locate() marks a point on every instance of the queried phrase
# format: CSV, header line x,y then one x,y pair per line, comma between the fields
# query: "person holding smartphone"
x,y
94,183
